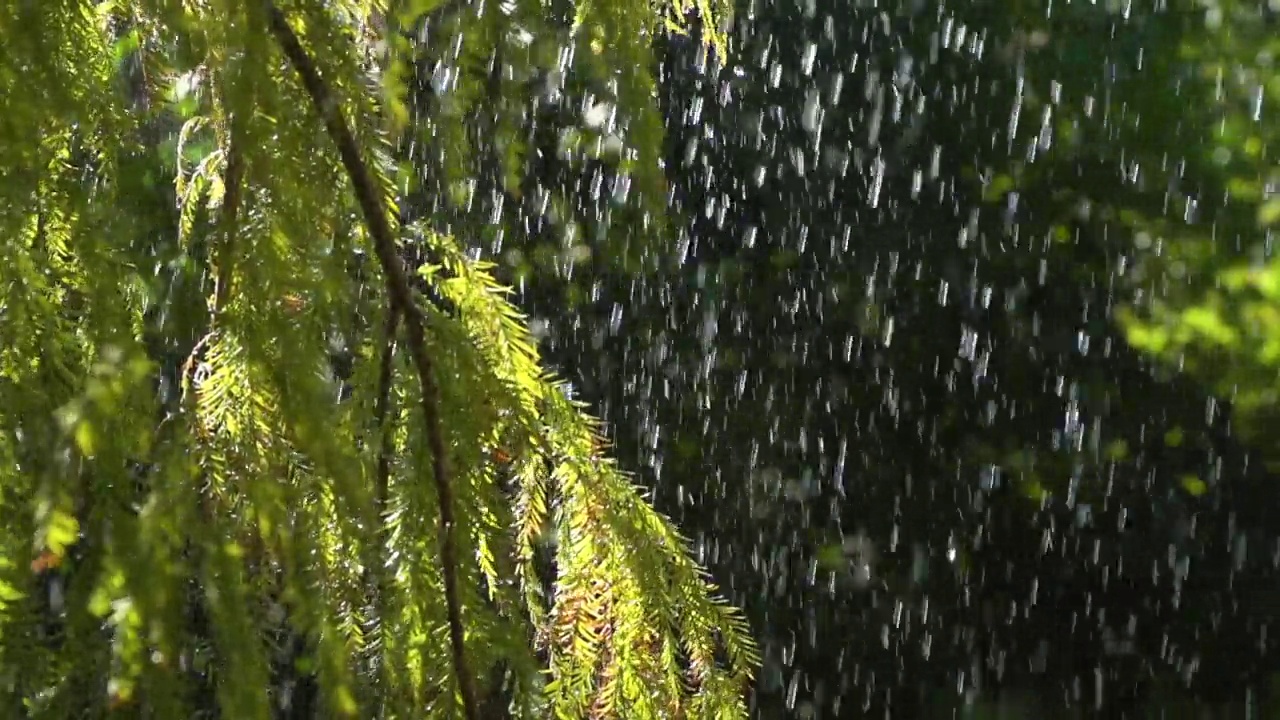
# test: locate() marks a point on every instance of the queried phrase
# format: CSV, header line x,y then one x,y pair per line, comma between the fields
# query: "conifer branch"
x,y
381,481
402,301
225,254
386,378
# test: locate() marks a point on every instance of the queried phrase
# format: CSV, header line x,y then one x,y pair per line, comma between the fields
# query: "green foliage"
x,y
1196,143
1152,164
173,208
1210,283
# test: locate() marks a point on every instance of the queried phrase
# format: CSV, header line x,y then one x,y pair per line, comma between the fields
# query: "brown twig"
x,y
402,300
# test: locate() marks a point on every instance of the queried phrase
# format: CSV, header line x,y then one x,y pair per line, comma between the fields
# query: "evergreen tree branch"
x,y
402,301
225,253
386,377
381,482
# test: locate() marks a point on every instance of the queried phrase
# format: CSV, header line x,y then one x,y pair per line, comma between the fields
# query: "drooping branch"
x,y
382,411
224,256
402,301
378,565
224,251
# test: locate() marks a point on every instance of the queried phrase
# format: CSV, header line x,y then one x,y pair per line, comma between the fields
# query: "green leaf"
x,y
1194,485
1269,212
1117,450
128,44
8,593
832,558
86,438
997,188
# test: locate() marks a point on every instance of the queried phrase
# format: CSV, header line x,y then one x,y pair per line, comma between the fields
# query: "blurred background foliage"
x,y
985,287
